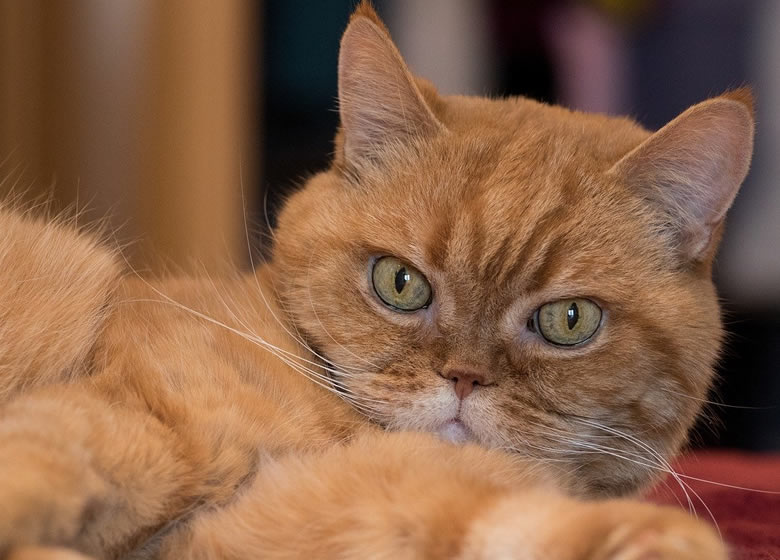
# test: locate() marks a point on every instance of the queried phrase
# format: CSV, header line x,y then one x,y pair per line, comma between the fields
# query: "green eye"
x,y
567,322
399,285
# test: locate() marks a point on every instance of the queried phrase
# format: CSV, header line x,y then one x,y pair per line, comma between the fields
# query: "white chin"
x,y
455,431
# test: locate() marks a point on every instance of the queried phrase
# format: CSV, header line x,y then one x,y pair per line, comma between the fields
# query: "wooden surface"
x,y
142,111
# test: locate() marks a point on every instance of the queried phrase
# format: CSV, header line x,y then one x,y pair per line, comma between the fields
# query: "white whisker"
x,y
314,310
666,466
283,355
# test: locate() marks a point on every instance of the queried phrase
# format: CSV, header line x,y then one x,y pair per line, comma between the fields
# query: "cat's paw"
x,y
44,553
636,531
551,528
43,501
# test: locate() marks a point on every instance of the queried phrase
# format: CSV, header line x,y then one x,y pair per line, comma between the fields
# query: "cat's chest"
x,y
230,426
206,376
236,394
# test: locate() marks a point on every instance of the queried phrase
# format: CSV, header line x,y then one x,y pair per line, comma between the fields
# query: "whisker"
x,y
314,310
295,337
271,232
592,447
713,403
595,449
666,465
732,486
321,380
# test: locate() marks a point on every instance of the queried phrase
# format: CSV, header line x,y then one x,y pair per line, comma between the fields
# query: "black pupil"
x,y
401,278
572,314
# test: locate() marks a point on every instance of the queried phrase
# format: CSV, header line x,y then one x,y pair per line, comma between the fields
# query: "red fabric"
x,y
748,520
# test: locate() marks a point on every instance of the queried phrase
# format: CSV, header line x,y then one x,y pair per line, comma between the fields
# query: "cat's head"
x,y
512,273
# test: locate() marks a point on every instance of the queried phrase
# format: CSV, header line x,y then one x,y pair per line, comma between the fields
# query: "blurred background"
x,y
182,120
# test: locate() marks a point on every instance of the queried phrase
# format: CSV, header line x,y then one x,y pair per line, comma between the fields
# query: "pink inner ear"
x,y
693,167
378,99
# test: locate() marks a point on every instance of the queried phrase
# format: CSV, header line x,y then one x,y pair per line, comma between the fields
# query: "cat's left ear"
x,y
693,167
379,101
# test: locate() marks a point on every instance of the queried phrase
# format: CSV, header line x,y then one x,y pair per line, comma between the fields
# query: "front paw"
x,y
44,553
545,526
636,531
43,501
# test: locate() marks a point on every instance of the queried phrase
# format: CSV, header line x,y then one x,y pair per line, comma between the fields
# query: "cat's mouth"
x,y
455,431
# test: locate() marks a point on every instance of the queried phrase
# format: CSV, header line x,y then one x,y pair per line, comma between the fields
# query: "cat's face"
x,y
502,272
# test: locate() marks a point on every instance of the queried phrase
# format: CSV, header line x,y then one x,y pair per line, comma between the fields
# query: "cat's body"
x,y
279,414
179,416
170,403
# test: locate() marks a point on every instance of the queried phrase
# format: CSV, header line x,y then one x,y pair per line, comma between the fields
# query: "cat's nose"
x,y
465,381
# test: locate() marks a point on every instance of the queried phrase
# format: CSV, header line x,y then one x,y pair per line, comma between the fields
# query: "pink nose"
x,y
465,381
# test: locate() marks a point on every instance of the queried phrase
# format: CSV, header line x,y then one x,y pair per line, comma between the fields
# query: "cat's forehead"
x,y
489,145
529,125
508,160
512,191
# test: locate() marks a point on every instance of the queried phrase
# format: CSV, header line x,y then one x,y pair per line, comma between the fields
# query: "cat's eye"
x,y
567,322
400,285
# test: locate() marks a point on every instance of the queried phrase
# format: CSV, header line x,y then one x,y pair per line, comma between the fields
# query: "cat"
x,y
481,331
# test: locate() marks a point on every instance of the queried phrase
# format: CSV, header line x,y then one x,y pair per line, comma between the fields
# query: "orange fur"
x,y
289,413
54,282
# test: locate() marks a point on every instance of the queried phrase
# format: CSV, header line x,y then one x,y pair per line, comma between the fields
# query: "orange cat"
x,y
528,282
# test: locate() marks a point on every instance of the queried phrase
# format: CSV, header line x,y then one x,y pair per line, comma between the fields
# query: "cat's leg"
x,y
411,496
79,471
538,525
55,287
45,553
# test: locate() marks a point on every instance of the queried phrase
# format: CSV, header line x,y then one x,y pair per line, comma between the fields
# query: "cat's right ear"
x,y
379,101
